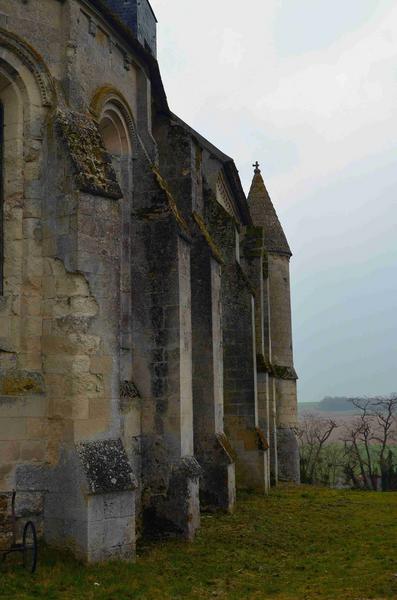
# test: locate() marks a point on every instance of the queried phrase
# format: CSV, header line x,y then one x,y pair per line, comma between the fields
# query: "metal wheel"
x,y
29,547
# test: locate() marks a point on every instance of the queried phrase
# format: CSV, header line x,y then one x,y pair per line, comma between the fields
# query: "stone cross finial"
x,y
257,169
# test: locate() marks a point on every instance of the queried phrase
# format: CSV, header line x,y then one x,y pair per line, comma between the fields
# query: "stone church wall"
x,y
136,323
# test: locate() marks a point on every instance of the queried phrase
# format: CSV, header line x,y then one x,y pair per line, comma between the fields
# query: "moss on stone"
x,y
284,372
265,265
244,279
253,242
170,201
18,383
216,253
262,365
263,443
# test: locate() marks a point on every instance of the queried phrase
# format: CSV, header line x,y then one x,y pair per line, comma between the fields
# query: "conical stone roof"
x,y
264,215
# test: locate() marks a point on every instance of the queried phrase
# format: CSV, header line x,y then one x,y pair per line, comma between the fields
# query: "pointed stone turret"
x,y
264,215
280,389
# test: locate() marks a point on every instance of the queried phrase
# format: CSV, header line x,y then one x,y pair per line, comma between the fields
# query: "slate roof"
x,y
126,11
264,215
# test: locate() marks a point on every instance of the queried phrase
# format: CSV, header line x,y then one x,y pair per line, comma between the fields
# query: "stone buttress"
x,y
181,160
162,364
239,349
255,262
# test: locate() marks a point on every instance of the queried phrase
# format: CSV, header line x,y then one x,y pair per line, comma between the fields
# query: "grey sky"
x,y
309,88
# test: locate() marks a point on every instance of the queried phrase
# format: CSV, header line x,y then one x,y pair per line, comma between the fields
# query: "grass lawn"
x,y
298,543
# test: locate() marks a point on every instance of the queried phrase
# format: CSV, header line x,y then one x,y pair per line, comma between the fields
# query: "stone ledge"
x,y
282,372
227,447
277,371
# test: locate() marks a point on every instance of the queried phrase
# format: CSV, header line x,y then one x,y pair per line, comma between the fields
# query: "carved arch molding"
x,y
33,62
108,95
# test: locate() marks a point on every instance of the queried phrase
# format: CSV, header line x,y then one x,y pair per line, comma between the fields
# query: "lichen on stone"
x,y
93,169
283,372
129,396
172,205
106,466
216,253
20,383
128,389
263,443
253,242
187,467
243,277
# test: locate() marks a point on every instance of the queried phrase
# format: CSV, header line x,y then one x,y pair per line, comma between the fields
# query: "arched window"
x,y
26,93
116,139
114,133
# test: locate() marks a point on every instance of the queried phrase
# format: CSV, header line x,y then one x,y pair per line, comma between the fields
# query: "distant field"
x,y
318,408
299,543
344,419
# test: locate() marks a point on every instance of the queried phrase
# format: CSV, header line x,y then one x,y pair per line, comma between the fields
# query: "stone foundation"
x,y
176,511
288,455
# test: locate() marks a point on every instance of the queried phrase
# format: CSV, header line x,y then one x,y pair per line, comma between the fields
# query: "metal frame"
x,y
1,199
23,546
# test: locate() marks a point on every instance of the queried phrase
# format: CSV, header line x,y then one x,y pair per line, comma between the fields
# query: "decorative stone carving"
x,y
33,62
93,169
224,197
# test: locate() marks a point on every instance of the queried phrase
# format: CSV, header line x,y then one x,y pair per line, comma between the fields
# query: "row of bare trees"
x,y
359,452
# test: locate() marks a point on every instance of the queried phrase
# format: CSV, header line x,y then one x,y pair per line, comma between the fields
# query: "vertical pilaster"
x,y
282,366
217,485
239,354
254,263
273,431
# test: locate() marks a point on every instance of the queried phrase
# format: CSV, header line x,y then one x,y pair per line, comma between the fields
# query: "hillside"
x,y
298,543
329,404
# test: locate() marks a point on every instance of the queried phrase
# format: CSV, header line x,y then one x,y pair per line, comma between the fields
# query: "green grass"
x,y
298,543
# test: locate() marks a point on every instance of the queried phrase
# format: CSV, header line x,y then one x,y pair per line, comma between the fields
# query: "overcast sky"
x,y
308,88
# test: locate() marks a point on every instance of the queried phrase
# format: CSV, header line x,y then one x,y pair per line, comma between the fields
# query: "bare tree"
x,y
313,433
358,441
331,463
369,439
